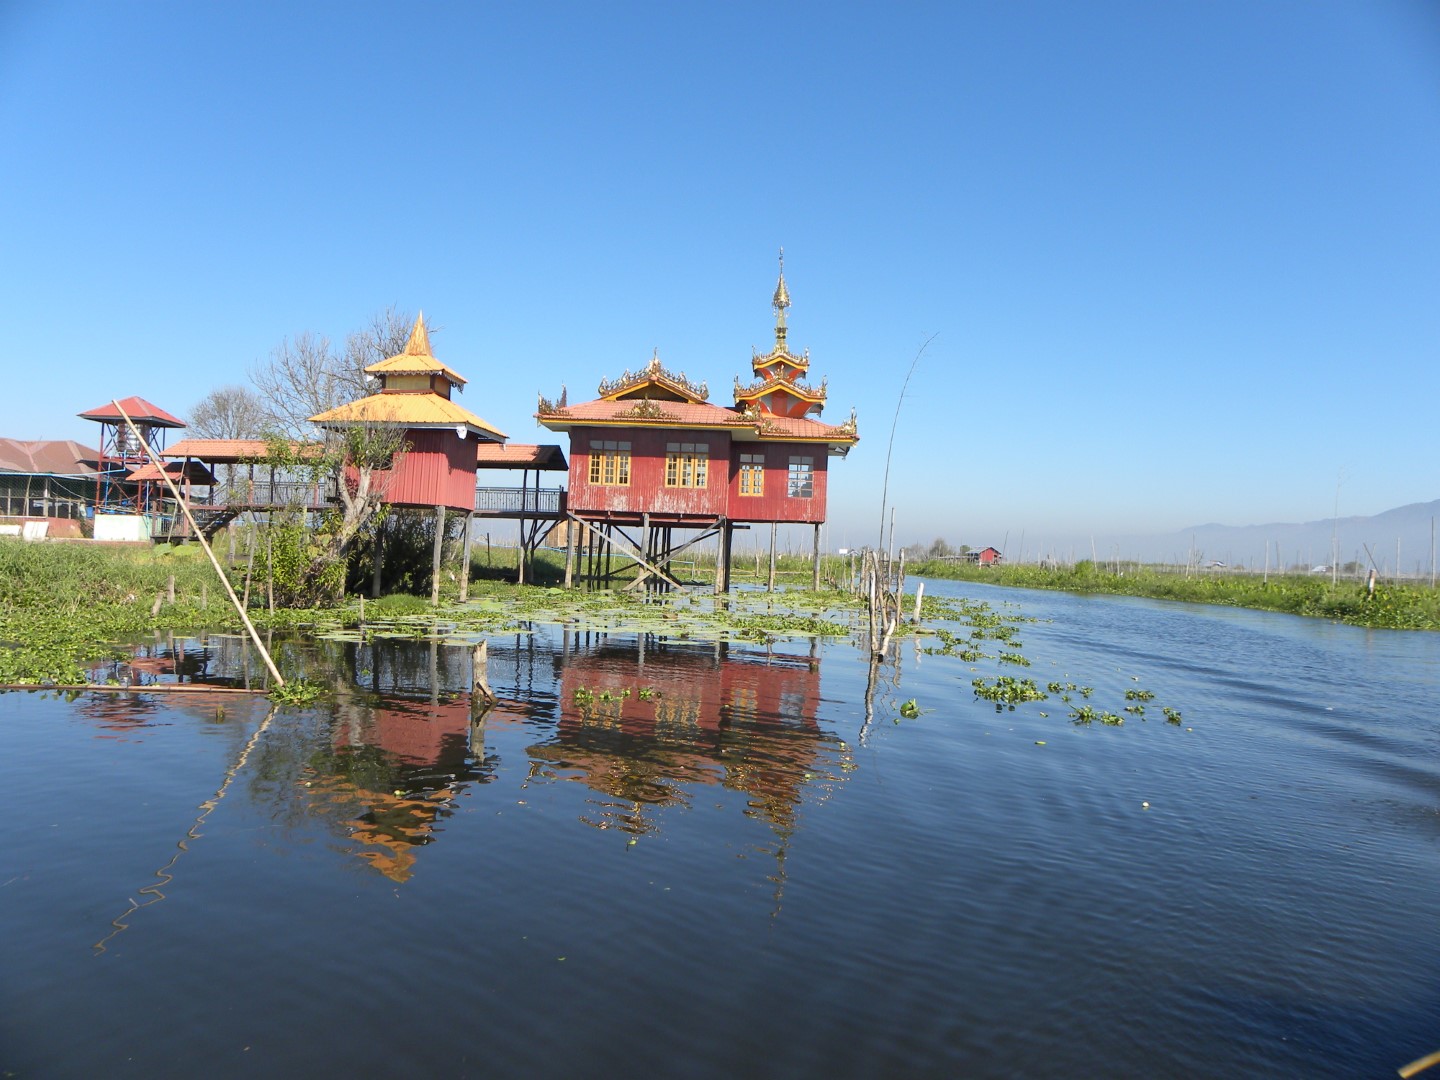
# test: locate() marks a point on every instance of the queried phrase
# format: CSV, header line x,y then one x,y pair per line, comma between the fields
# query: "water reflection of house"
x,y
395,764
647,722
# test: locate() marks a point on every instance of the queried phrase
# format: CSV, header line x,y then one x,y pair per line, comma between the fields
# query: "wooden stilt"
x,y
435,556
465,559
570,531
815,571
770,586
379,558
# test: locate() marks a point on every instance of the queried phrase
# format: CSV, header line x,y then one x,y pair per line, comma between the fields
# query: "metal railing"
x,y
498,500
299,493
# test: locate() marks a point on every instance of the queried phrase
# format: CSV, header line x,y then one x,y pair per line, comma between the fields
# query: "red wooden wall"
x,y
775,503
647,493
437,470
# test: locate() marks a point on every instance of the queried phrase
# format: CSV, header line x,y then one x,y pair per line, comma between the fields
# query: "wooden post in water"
x,y
435,556
480,673
919,599
170,591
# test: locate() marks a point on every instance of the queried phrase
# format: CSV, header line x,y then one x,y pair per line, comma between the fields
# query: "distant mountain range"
x,y
1309,544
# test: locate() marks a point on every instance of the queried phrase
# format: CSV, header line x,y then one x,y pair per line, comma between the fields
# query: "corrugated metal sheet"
x,y
406,410
48,457
138,409
437,470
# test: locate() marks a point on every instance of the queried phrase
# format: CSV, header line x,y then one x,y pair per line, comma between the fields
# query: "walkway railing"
x,y
259,493
497,500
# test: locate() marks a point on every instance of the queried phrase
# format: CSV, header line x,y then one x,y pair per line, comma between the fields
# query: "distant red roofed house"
x,y
46,478
985,556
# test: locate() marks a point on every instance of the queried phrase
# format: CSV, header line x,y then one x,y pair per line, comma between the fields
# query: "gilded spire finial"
x,y
419,343
780,302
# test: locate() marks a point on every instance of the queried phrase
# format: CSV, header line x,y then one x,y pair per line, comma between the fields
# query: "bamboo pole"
x,y
225,581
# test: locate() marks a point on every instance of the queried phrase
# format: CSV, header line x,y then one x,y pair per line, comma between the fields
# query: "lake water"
x,y
677,859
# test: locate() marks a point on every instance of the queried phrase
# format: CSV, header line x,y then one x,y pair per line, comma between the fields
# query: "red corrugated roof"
x,y
679,413
520,456
47,457
196,473
699,414
138,409
226,451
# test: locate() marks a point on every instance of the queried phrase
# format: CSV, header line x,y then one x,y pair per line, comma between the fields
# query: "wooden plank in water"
x,y
152,688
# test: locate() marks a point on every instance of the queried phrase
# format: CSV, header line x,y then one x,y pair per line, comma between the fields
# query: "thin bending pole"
x,y
185,506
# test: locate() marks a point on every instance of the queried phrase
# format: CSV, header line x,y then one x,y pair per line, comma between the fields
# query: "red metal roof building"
x,y
46,478
653,452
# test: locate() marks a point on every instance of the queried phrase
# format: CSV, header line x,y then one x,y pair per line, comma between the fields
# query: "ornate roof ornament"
x,y
559,405
416,359
780,301
646,409
657,374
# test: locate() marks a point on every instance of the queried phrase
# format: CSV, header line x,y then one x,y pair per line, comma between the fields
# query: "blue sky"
x,y
1182,260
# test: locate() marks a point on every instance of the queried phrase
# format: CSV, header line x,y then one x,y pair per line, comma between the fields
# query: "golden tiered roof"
x,y
416,359
411,406
780,369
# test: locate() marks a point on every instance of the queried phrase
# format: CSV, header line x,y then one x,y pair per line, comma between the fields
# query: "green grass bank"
x,y
1394,606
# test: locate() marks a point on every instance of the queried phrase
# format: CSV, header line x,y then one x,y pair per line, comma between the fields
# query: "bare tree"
x,y
306,376
231,412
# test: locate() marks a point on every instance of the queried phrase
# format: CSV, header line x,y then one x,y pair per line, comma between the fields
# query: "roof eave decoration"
x,y
559,407
654,374
804,391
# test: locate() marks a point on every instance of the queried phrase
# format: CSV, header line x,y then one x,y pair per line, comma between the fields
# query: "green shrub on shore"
x,y
63,604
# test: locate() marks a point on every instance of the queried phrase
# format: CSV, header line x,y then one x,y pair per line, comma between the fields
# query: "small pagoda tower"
x,y
438,465
778,389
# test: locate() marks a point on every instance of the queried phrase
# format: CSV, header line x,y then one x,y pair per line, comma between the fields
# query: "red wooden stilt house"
x,y
653,453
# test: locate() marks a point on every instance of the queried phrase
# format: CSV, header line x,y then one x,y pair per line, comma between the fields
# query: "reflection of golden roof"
x,y
416,359
392,826
408,411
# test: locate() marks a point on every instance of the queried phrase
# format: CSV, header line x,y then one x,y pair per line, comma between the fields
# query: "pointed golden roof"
x,y
417,358
781,300
419,343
